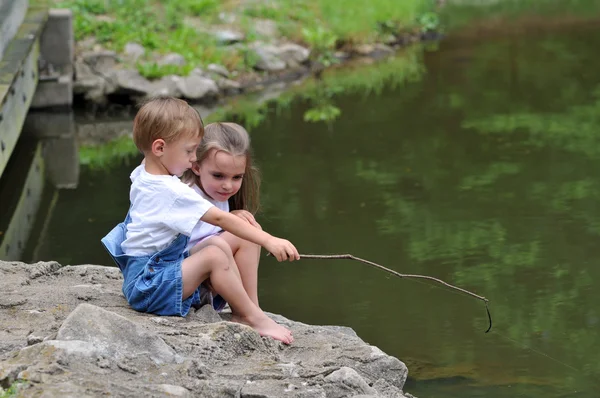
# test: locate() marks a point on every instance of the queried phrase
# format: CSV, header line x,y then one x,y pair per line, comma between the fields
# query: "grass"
x,y
183,26
12,390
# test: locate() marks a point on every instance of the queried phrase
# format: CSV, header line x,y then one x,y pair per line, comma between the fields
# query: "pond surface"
x,y
483,172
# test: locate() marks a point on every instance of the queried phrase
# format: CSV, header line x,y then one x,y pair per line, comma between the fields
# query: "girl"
x,y
224,175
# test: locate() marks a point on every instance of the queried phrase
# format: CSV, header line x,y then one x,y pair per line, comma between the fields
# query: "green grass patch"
x,y
12,390
183,26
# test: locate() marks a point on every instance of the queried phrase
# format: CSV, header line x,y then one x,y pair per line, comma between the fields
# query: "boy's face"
x,y
178,156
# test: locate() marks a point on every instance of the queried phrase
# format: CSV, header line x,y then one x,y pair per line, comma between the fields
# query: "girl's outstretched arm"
x,y
282,249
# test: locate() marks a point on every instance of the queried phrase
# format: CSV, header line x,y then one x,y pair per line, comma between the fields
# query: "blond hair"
x,y
234,140
165,118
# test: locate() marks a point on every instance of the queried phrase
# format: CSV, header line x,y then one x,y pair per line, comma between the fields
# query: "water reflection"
x,y
45,160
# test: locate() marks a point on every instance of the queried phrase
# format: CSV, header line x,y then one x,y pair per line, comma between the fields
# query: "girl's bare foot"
x,y
265,326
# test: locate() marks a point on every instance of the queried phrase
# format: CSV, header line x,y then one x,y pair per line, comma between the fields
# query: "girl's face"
x,y
221,174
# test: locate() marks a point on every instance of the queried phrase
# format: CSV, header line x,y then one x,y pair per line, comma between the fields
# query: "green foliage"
x,y
429,22
13,390
322,44
322,113
151,70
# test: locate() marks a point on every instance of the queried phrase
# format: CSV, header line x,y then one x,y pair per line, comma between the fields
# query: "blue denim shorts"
x,y
154,283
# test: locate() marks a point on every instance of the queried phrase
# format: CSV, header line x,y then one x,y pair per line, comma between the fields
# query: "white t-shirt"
x,y
203,229
162,207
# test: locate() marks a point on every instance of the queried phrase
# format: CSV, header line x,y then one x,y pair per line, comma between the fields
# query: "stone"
x,y
100,61
197,87
129,81
293,54
228,36
172,59
166,85
206,314
114,335
347,382
133,51
108,349
268,58
218,69
229,86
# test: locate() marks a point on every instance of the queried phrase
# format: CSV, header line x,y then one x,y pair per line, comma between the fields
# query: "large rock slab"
x,y
68,331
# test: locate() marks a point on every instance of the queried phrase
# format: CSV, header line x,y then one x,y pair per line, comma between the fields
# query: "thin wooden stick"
x,y
351,257
398,274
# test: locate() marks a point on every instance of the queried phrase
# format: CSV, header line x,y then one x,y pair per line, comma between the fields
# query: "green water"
x,y
483,172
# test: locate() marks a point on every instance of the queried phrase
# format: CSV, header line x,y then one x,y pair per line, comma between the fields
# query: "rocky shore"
x,y
103,76
67,331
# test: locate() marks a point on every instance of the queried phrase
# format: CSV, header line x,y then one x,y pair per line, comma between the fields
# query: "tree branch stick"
x,y
398,274
372,264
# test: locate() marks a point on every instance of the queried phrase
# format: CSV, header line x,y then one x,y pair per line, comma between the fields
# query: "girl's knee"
x,y
214,255
221,244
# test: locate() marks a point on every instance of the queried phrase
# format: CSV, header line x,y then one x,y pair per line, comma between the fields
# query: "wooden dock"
x,y
33,40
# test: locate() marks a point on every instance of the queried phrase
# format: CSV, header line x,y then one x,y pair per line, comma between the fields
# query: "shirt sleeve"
x,y
186,210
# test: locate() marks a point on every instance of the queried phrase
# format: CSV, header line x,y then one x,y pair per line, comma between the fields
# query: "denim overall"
x,y
153,283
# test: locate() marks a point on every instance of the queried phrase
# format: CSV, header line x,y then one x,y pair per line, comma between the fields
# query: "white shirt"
x,y
162,207
203,229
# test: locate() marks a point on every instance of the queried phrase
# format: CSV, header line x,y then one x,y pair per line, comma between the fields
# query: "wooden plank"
x,y
12,13
18,81
15,106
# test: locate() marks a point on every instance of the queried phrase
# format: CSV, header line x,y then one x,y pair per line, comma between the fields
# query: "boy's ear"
x,y
196,168
158,147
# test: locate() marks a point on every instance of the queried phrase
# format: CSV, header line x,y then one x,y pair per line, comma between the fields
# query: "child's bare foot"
x,y
265,326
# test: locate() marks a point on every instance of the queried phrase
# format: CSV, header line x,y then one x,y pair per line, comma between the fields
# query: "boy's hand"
x,y
282,249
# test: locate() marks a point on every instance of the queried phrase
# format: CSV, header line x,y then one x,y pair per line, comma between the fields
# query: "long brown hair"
x,y
234,140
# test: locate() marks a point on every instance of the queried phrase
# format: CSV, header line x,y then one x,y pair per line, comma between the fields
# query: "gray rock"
x,y
293,54
197,87
275,58
228,86
172,59
114,334
199,72
206,314
109,349
91,85
129,81
218,69
385,389
268,58
100,61
166,85
228,36
133,51
347,382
